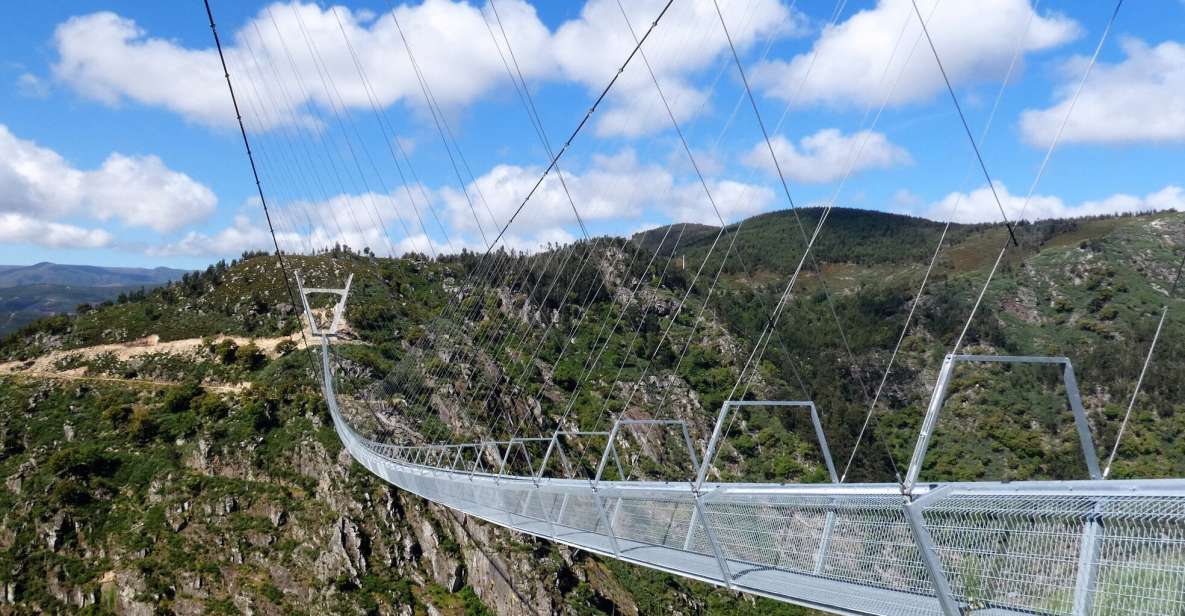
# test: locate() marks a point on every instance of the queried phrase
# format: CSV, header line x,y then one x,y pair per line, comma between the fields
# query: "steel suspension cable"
x,y
786,191
1164,312
762,344
1016,54
707,191
1033,187
1040,172
595,354
254,170
568,340
555,159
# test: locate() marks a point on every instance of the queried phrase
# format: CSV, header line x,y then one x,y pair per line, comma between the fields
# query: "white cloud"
x,y
734,200
612,188
142,192
905,199
139,191
980,206
974,39
21,229
108,58
239,237
689,39
1141,98
826,155
111,59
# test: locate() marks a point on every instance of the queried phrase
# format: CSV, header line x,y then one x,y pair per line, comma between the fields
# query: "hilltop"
x,y
204,476
31,292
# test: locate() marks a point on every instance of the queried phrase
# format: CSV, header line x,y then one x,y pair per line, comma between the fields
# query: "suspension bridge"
x,y
910,546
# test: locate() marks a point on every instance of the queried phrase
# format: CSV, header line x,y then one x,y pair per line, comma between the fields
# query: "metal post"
x,y
1080,421
547,455
913,515
605,455
559,518
690,448
1088,561
691,528
936,400
725,573
824,542
823,442
711,451
604,520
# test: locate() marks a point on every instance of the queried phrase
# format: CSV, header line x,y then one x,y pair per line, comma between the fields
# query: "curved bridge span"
x,y
1038,547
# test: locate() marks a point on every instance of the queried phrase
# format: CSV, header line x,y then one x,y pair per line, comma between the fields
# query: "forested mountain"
x,y
31,292
85,275
172,453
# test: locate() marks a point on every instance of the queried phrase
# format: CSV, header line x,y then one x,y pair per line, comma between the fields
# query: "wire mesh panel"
x,y
1141,562
1063,554
655,520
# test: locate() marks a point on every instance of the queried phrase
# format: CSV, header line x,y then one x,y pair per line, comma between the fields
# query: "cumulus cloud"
x,y
975,40
111,59
980,206
282,53
612,188
21,229
688,40
1141,99
37,184
243,234
826,155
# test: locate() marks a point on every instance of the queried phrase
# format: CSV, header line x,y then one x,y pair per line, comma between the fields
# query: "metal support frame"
x,y
913,515
643,422
521,442
557,447
338,309
726,409
938,398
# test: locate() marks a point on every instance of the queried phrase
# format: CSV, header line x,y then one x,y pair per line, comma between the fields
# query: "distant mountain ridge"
x,y
30,292
85,275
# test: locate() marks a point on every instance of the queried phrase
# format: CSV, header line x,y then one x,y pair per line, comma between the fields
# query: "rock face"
x,y
276,520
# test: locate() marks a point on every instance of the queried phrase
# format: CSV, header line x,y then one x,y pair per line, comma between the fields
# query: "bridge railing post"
x,y
929,554
1088,562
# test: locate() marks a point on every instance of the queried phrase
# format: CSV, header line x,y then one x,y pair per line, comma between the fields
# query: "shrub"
x,y
250,357
178,398
226,351
142,426
212,406
285,347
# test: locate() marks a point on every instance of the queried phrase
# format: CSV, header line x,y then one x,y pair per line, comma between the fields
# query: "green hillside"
x,y
194,498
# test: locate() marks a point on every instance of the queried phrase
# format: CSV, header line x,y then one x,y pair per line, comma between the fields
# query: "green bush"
x,y
180,397
250,357
226,351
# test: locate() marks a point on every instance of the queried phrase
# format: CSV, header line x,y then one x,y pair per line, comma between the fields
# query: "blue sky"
x,y
118,144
